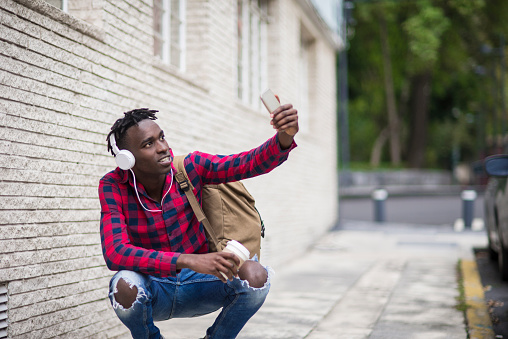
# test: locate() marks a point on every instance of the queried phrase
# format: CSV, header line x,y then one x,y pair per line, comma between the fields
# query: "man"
x,y
150,235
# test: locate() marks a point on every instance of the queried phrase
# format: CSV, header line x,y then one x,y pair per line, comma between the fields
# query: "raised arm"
x,y
203,168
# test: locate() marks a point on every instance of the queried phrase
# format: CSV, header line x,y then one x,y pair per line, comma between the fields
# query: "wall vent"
x,y
3,311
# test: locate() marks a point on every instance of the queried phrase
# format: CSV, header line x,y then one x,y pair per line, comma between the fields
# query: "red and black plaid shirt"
x,y
151,242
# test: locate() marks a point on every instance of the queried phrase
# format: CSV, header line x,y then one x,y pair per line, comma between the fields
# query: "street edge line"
x,y
477,315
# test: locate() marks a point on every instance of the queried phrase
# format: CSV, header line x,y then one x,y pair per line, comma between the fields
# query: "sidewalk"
x,y
363,281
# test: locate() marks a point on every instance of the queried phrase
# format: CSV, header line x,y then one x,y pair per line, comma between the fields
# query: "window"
x,y
252,20
169,31
61,4
89,11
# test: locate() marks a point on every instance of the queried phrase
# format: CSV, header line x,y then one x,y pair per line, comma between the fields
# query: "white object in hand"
x,y
237,249
269,100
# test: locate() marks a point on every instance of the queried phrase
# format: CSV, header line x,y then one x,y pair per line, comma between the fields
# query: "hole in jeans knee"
x,y
254,273
126,294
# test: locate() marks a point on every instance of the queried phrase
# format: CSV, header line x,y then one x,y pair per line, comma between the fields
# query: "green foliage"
x,y
362,128
424,31
466,7
457,131
444,37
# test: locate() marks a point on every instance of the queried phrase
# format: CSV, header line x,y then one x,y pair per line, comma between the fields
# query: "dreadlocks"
x,y
130,119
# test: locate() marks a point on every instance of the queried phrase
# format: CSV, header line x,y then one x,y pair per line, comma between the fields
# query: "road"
x,y
424,210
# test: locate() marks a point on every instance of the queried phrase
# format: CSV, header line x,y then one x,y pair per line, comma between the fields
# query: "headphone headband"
x,y
112,142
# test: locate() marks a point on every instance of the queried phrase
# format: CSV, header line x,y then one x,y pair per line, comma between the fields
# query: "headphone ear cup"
x,y
125,159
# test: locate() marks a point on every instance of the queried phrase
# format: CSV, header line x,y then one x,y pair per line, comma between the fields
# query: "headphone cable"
x,y
137,194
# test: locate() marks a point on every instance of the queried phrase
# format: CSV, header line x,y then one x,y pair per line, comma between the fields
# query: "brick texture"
x,y
66,77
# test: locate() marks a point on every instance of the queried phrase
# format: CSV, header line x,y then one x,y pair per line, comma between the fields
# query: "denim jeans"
x,y
189,294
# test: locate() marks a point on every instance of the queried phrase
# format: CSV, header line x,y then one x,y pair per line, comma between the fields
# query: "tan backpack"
x,y
228,212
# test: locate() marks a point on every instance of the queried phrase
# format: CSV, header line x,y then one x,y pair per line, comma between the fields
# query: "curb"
x,y
477,316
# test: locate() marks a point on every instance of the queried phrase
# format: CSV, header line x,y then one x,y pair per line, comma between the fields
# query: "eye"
x,y
148,144
163,137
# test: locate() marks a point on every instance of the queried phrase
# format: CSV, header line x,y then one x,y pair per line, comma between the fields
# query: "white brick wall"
x,y
63,82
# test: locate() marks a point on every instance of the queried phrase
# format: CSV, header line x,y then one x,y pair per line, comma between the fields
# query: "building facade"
x,y
69,68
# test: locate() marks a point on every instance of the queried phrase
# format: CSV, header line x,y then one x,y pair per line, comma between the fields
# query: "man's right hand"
x,y
211,263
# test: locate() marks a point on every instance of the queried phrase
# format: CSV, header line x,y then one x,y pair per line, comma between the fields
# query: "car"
x,y
496,210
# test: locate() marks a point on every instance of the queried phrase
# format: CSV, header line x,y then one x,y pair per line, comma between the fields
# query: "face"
x,y
147,143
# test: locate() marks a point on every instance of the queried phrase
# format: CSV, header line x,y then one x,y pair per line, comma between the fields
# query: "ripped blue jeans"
x,y
189,294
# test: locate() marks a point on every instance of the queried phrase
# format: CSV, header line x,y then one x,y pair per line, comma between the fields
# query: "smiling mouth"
x,y
165,159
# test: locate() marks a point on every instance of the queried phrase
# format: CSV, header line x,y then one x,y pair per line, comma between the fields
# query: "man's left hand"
x,y
285,121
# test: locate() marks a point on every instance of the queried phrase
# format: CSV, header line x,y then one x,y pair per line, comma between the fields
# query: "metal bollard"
x,y
379,196
468,198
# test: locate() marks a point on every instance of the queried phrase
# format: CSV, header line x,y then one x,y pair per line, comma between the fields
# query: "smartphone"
x,y
269,100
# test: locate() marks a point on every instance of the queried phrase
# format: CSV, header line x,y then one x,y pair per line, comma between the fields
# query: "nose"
x,y
162,146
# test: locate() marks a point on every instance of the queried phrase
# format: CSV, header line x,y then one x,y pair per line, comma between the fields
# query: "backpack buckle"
x,y
180,178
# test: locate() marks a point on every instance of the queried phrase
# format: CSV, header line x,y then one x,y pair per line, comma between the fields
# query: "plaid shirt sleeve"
x,y
117,249
216,169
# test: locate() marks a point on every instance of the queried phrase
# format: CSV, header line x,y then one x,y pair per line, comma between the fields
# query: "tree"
x,y
432,48
393,130
424,30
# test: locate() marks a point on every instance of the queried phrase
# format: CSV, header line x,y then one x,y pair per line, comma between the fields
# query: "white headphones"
x,y
124,158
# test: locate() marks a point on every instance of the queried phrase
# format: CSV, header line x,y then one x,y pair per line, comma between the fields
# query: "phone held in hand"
x,y
269,100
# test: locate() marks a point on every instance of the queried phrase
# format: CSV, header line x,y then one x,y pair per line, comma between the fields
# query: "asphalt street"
x,y
421,210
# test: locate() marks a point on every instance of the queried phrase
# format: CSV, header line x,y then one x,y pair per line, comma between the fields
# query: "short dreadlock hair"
x,y
130,119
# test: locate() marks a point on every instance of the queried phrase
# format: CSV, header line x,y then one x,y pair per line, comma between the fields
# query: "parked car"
x,y
496,210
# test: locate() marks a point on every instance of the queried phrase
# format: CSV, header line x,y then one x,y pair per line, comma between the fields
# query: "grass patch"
x,y
461,305
461,299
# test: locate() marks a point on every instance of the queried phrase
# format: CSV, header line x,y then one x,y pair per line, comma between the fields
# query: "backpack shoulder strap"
x,y
181,175
186,186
